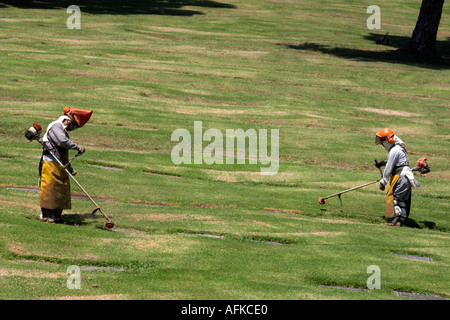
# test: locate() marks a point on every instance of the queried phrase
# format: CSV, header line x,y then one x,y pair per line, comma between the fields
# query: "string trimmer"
x,y
322,200
422,166
34,134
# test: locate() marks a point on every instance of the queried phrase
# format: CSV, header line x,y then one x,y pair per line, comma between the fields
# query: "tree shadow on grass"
x,y
397,53
115,7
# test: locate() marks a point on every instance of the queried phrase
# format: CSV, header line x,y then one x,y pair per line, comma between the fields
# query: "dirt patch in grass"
x,y
255,176
123,230
319,233
168,243
311,124
198,92
158,217
15,98
260,223
317,116
3,185
226,176
55,85
145,243
16,248
168,217
323,75
429,155
391,112
20,204
195,111
205,205
22,254
154,203
288,211
338,221
31,274
339,165
25,56
322,126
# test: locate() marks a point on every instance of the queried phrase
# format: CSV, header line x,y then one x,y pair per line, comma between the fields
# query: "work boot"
x,y
56,215
48,220
397,222
45,215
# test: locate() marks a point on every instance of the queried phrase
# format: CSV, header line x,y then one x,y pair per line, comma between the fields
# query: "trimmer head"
x,y
322,200
109,224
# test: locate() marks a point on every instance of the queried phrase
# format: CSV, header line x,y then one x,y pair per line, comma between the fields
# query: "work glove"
x,y
380,164
81,150
382,187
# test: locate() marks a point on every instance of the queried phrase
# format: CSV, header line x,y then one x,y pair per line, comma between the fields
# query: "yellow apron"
x,y
55,187
389,212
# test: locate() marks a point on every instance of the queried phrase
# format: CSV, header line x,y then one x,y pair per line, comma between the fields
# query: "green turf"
x,y
197,231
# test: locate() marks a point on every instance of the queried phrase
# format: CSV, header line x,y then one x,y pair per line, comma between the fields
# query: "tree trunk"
x,y
424,36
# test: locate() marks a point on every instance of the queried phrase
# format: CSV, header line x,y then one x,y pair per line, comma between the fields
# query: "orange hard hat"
x,y
79,117
385,135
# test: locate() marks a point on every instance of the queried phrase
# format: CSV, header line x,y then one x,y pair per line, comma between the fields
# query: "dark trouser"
x,y
402,198
54,214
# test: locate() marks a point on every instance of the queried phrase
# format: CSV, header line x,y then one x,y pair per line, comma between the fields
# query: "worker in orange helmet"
x,y
399,175
54,181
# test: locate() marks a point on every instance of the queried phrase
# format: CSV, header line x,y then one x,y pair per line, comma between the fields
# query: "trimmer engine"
x,y
34,132
422,166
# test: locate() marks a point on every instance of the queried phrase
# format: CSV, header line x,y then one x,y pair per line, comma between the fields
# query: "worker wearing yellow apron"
x,y
399,175
54,183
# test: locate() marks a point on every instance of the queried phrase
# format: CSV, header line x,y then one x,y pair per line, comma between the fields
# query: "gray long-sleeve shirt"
x,y
58,141
397,157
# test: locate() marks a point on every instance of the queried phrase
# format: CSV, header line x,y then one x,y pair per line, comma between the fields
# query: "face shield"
x,y
379,140
71,126
70,123
387,145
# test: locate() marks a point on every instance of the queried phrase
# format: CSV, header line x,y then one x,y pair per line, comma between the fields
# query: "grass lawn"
x,y
310,69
